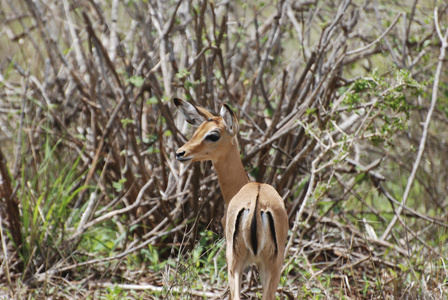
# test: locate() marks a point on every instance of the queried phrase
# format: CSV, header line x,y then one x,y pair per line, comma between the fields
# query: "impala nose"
x,y
180,154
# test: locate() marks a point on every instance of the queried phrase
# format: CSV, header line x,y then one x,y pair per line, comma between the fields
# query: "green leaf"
x,y
126,122
152,100
118,185
136,81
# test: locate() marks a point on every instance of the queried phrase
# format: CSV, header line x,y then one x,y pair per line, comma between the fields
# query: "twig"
x,y
109,215
75,38
305,200
391,51
421,149
412,211
19,136
113,30
378,39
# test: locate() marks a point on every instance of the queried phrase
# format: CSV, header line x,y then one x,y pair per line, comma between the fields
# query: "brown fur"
x,y
251,241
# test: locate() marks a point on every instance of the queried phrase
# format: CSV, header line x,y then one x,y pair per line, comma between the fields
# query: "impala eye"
x,y
213,137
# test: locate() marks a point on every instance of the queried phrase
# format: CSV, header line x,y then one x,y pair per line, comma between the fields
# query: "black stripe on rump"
x,y
272,227
237,224
253,226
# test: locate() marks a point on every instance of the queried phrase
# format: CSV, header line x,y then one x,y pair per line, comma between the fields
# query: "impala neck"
x,y
231,174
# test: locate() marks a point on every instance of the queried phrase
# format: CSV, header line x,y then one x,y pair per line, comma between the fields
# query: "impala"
x,y
255,220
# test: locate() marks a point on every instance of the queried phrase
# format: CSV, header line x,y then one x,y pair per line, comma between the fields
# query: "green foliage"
x,y
114,292
389,96
118,185
311,111
182,74
101,240
47,200
137,81
7,73
126,122
207,259
152,100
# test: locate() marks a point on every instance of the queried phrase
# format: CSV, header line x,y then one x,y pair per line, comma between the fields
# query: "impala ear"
x,y
230,120
193,114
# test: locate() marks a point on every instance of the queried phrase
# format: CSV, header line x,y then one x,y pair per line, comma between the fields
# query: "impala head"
x,y
213,136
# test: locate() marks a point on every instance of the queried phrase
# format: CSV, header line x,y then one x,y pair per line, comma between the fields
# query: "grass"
x,y
46,207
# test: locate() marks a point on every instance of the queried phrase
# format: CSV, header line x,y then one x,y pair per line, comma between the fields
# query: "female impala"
x,y
255,220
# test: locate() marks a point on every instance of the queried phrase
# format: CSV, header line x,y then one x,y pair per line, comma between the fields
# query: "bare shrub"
x,y
331,97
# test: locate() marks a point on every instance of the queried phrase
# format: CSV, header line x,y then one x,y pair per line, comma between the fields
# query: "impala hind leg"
x,y
270,278
272,281
234,285
235,272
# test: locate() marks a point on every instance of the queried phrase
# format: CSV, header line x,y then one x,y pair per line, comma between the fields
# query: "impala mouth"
x,y
184,159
